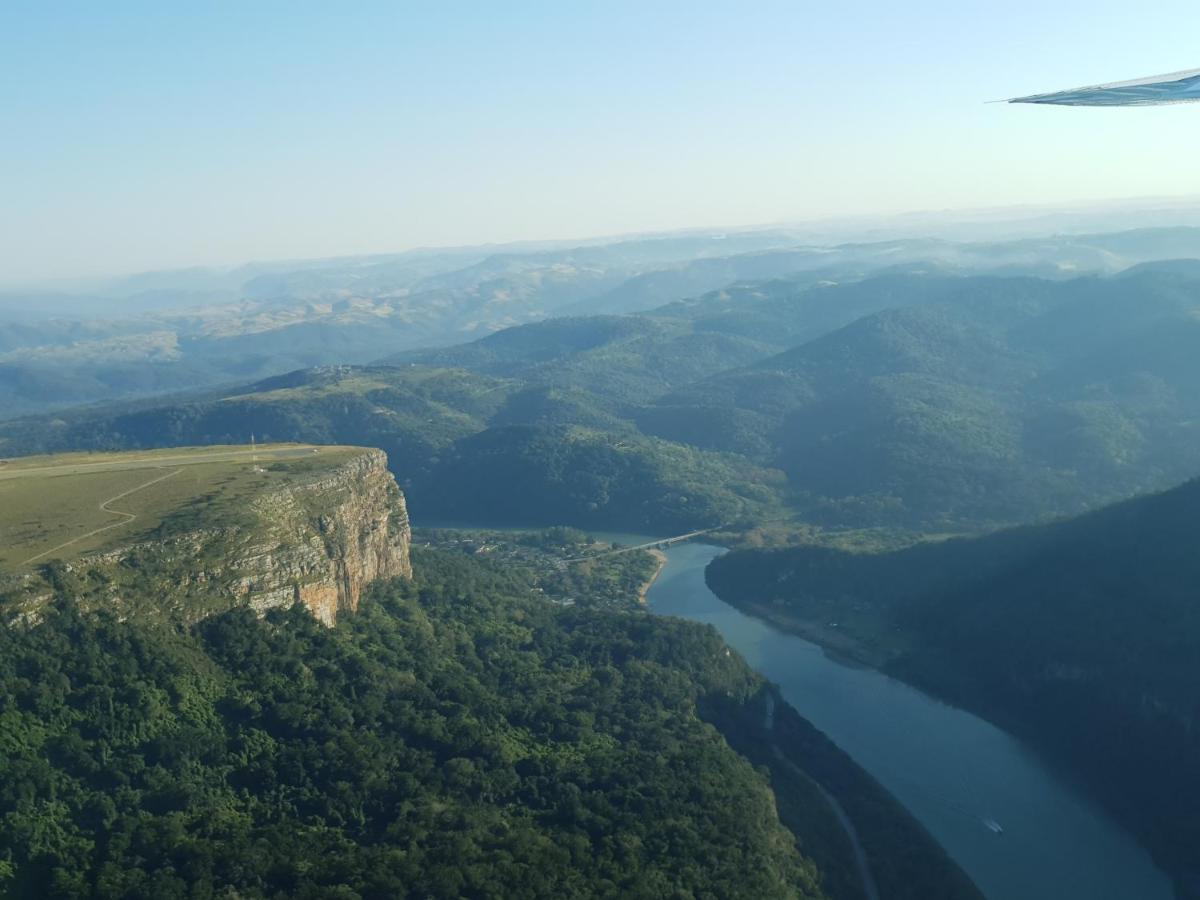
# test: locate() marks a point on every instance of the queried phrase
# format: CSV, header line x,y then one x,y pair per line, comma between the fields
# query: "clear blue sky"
x,y
148,135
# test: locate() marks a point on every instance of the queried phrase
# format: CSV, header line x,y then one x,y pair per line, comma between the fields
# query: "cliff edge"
x,y
326,540
207,530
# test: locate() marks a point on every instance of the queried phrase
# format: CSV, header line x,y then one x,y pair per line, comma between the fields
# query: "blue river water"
x,y
1016,828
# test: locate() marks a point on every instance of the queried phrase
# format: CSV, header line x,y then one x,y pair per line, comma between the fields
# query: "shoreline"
x,y
837,645
661,559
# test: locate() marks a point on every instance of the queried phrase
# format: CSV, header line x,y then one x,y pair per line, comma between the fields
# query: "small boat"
x,y
993,826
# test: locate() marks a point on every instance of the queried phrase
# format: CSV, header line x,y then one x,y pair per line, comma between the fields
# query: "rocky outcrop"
x,y
331,537
319,541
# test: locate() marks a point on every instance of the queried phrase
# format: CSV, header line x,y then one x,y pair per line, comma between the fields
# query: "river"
x,y
955,772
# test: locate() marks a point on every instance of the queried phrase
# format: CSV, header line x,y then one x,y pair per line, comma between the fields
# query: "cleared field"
x,y
59,507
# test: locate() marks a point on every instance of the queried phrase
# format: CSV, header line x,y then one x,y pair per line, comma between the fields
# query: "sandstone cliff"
x,y
327,539
337,525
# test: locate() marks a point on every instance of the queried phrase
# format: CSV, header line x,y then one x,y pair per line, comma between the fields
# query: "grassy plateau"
x,y
67,505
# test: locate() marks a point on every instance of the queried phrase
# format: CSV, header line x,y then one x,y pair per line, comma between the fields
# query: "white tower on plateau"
x,y
1178,87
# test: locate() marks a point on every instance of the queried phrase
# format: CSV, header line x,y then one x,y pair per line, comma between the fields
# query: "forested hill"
x,y
158,332
999,399
915,398
464,447
462,735
1082,636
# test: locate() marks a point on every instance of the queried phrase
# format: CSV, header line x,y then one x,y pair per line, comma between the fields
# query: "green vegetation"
x,y
969,401
463,446
1083,637
912,400
617,361
459,736
471,734
805,766
594,479
563,564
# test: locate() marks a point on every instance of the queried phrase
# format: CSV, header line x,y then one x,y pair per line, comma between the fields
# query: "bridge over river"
x,y
657,544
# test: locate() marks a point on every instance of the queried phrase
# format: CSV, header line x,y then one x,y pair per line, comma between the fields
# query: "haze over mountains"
x,y
916,396
162,332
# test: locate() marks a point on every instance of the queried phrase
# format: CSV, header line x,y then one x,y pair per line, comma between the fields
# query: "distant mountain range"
x,y
913,398
161,332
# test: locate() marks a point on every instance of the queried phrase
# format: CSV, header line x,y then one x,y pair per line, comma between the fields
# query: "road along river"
x,y
1017,829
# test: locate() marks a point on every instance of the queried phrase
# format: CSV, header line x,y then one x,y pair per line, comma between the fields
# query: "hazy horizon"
x,y
155,138
1024,220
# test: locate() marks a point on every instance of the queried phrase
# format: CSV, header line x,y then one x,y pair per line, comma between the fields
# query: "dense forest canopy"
x,y
431,746
460,736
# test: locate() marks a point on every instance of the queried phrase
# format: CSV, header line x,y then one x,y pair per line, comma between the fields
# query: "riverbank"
x,y
660,559
944,637
865,841
953,771
840,644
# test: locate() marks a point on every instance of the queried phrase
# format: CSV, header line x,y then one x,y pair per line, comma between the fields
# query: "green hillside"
x,y
1004,400
621,361
911,399
906,399
461,445
460,735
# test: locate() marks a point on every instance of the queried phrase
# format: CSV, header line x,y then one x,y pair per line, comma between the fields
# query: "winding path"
x,y
104,507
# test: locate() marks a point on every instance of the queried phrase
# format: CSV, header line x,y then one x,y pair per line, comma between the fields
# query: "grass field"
x,y
59,507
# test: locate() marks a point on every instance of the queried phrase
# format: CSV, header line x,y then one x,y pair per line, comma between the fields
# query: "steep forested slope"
x,y
1004,400
460,737
908,398
621,361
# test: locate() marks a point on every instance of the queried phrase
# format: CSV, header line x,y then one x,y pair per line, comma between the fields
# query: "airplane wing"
x,y
1178,87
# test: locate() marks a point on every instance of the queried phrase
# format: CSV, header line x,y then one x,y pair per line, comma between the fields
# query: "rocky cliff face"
x,y
338,525
327,539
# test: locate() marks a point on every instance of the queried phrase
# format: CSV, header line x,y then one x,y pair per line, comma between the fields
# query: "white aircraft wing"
x,y
1178,87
